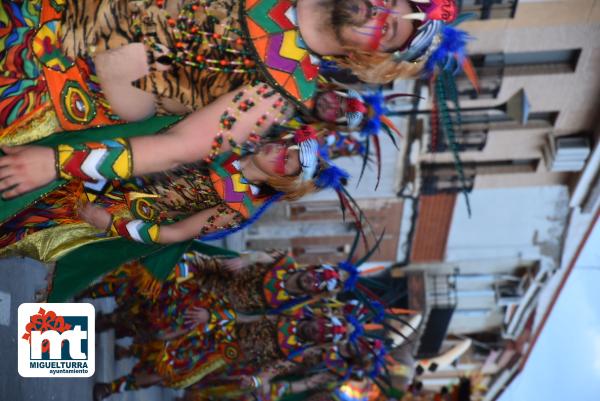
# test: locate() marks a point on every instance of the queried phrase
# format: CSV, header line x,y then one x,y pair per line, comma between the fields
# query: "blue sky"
x,y
565,363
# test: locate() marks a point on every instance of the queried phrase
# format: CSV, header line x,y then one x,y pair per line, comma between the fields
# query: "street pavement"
x,y
19,280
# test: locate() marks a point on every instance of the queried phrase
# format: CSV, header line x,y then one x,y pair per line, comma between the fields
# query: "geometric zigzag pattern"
x,y
95,161
272,27
230,185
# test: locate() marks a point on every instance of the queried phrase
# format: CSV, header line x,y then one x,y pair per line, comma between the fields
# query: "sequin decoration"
x,y
77,105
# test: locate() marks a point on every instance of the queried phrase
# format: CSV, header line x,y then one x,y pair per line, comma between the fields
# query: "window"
x,y
541,62
505,166
443,177
493,67
487,9
466,140
527,63
494,120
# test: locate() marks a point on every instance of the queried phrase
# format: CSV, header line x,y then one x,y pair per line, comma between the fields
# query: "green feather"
x,y
448,129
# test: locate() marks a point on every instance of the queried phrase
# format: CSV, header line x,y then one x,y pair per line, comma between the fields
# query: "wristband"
x,y
95,161
257,381
136,230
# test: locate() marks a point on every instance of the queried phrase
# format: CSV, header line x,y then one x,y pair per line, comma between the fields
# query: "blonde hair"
x,y
293,187
378,68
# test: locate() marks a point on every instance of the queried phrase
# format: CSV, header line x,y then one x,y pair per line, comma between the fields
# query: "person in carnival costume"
x,y
357,119
191,201
200,286
279,343
376,39
335,364
360,356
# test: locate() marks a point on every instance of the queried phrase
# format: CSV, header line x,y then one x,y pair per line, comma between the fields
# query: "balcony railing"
x,y
488,9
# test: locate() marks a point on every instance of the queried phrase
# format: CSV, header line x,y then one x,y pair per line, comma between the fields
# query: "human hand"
x,y
235,265
319,380
263,257
260,383
247,382
196,316
25,168
95,215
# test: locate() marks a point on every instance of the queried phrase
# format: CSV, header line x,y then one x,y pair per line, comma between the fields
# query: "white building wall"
x,y
522,223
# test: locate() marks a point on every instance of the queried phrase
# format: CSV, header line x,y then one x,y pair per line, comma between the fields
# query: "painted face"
x,y
276,159
348,350
311,330
307,282
347,110
380,25
330,107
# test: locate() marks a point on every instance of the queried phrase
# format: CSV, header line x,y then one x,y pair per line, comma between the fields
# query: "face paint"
x,y
281,160
329,106
380,22
378,29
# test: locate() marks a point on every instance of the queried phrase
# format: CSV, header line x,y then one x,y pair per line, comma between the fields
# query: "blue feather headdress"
x,y
451,51
442,48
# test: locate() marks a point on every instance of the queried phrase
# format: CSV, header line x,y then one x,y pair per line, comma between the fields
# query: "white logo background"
x,y
79,365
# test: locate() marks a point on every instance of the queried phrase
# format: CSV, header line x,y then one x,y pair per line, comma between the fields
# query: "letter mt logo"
x,y
56,340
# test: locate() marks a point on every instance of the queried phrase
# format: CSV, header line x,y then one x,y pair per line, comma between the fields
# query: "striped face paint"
x,y
380,12
282,156
379,25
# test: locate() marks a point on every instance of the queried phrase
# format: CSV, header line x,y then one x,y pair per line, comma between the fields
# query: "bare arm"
x,y
246,260
28,167
203,222
192,226
190,140
316,381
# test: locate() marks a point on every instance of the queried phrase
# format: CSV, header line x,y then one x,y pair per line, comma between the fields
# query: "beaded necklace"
x,y
243,101
193,41
190,49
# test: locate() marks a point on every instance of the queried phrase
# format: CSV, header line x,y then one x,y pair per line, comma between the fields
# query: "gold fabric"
x,y
209,367
39,125
50,244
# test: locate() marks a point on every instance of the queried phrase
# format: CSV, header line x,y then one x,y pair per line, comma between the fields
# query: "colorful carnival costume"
x,y
138,206
351,356
42,90
151,306
325,368
276,343
209,48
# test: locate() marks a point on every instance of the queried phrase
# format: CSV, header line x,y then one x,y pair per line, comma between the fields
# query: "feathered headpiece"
x,y
316,164
365,113
442,48
327,278
305,141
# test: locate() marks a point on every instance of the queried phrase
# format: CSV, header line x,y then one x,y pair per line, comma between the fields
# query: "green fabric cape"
x,y
79,268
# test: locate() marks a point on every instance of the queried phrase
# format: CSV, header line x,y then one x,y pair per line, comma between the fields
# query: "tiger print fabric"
x,y
99,25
